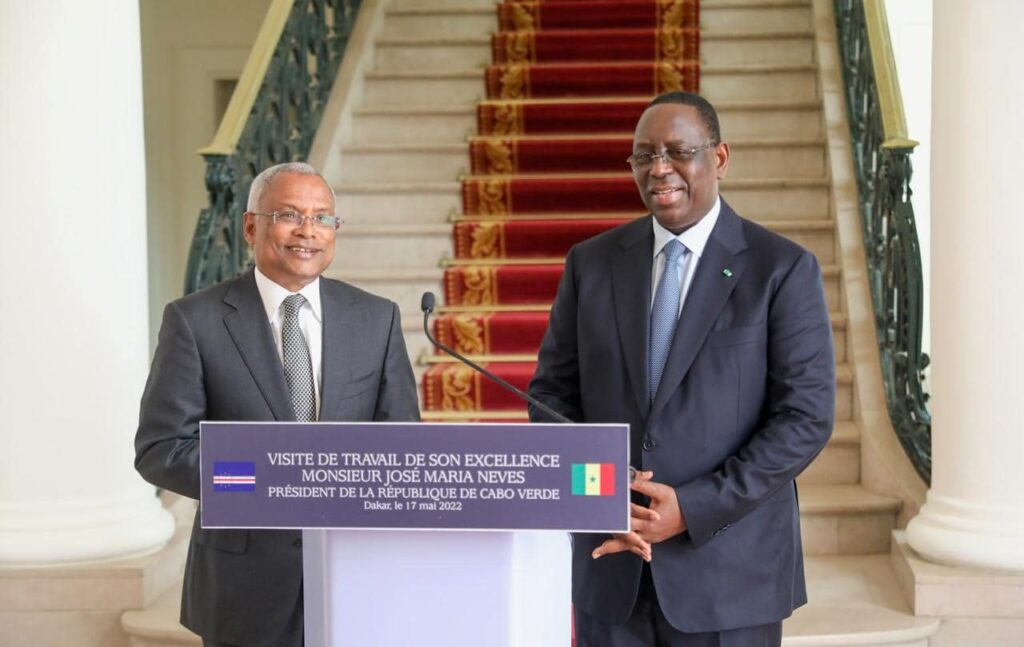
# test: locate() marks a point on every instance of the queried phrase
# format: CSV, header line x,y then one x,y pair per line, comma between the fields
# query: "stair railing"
x,y
881,152
272,117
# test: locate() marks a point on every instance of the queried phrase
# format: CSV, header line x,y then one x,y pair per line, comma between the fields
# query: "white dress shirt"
x,y
310,321
693,239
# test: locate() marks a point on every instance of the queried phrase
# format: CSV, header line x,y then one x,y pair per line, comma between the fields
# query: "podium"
x,y
424,534
423,588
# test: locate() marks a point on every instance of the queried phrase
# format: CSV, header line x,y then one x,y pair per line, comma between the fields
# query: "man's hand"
x,y
661,520
667,520
630,541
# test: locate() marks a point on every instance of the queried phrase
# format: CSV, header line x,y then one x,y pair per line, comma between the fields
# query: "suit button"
x,y
297,543
649,444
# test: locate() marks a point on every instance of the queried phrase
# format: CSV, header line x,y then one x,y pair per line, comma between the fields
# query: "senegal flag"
x,y
593,479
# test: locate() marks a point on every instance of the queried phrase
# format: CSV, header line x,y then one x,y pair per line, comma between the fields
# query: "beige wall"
x,y
187,47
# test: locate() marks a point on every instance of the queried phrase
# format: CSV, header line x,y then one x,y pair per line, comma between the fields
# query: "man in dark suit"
x,y
277,343
710,336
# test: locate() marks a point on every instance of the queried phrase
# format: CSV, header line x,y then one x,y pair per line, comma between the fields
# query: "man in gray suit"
x,y
710,336
277,343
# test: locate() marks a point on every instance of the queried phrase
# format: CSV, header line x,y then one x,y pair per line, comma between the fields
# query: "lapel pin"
x,y
727,272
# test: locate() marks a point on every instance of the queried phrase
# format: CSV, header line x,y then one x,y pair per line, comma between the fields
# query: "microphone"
x,y
427,306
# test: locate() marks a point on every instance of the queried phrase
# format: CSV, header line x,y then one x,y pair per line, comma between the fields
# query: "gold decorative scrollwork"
x,y
523,19
508,119
457,388
486,240
673,14
469,334
513,82
499,157
668,78
519,47
491,197
671,45
478,286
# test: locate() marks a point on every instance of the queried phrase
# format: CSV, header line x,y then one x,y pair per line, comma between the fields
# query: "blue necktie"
x,y
664,314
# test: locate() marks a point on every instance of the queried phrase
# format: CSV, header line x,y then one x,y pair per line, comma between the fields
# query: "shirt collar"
x,y
694,238
273,295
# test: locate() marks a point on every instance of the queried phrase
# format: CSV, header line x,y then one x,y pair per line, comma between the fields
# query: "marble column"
x,y
73,329
974,513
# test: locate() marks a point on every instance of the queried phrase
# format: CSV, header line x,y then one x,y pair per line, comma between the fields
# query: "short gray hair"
x,y
262,181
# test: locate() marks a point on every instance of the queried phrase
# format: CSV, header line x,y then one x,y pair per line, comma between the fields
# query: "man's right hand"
x,y
630,541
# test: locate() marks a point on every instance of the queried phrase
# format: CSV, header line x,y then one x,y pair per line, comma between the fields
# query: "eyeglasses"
x,y
678,155
293,219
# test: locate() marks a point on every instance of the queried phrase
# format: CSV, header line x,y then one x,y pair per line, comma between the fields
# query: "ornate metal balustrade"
x,y
881,154
272,117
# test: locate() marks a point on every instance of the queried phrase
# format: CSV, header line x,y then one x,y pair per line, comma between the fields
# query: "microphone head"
x,y
427,302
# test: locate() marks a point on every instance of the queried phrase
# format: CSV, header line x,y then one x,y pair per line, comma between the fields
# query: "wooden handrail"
x,y
242,99
883,61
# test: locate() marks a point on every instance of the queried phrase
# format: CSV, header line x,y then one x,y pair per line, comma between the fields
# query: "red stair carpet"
x,y
568,80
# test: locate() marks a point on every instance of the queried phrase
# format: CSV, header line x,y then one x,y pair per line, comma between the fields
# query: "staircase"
x,y
399,191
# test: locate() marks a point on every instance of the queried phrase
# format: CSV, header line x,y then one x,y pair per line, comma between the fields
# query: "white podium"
x,y
415,588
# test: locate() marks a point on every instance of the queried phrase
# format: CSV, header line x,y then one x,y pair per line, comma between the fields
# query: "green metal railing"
x,y
881,153
272,118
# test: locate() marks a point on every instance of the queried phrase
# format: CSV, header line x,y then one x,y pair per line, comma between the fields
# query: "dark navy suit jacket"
x,y
746,402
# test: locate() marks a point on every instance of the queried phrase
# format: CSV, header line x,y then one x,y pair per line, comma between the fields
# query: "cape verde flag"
x,y
234,477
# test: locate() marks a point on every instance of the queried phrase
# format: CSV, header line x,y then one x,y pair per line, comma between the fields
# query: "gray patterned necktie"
x,y
664,315
298,368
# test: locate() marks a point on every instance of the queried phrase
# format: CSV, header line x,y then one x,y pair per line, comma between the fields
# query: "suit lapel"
x,y
342,321
250,330
706,297
631,286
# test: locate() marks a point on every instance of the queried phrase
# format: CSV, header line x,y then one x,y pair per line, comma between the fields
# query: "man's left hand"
x,y
668,520
663,519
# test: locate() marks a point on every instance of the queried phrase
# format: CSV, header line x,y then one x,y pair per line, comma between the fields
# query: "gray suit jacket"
x,y
216,360
746,401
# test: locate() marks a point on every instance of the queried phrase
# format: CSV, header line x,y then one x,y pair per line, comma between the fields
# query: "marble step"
x,y
413,124
416,18
441,51
78,604
755,15
844,376
435,5
845,519
416,124
410,162
367,245
422,354
461,18
782,47
398,202
718,83
158,625
420,348
839,462
395,202
853,602
406,285
362,242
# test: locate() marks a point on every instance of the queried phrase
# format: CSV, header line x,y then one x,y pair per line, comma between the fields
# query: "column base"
x,y
36,534
976,606
82,604
959,533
